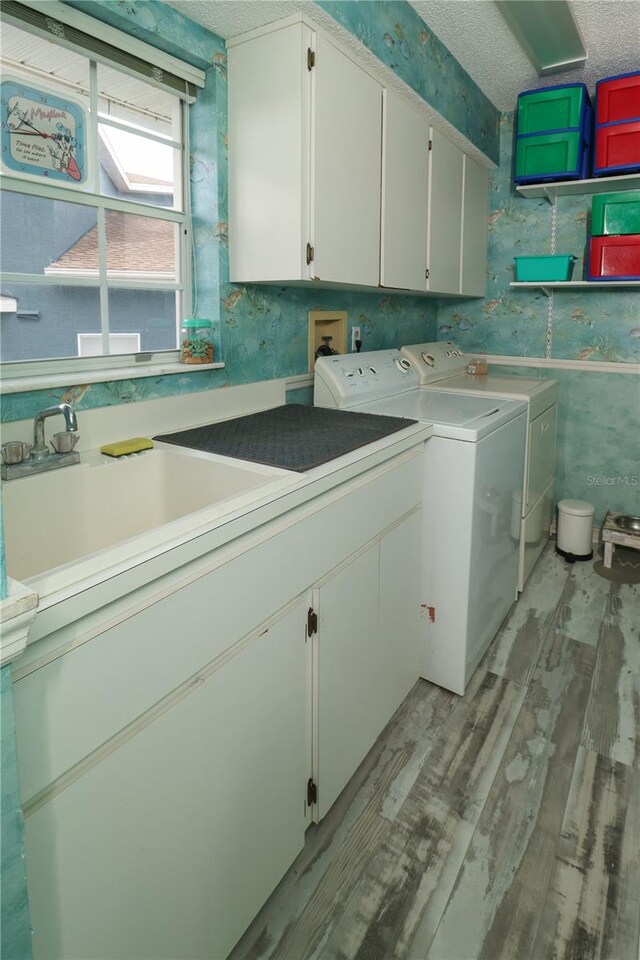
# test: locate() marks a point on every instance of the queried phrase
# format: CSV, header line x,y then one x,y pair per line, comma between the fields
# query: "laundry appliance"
x,y
441,366
473,467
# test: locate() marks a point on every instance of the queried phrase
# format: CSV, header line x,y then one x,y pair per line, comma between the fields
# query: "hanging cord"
x,y
186,176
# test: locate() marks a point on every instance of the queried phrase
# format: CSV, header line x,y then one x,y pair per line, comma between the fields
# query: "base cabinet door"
x,y
347,714
170,843
366,657
400,576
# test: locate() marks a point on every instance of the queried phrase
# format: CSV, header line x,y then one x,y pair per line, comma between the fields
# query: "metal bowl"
x,y
64,442
629,524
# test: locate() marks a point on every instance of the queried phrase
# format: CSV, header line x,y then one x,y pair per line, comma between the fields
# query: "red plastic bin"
x,y
614,258
617,147
618,98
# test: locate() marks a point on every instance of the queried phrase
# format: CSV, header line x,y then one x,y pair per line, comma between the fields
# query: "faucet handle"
x,y
15,451
64,442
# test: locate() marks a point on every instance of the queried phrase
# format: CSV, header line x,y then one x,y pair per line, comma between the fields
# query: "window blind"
x,y
101,50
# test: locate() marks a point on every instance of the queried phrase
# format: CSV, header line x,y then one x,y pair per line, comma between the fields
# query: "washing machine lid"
x,y
512,388
442,365
453,416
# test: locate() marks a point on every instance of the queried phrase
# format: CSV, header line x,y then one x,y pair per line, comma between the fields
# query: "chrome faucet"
x,y
71,423
21,459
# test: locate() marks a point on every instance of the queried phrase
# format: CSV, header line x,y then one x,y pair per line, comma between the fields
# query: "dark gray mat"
x,y
294,437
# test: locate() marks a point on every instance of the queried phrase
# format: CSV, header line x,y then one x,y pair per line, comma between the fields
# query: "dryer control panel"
x,y
436,360
345,381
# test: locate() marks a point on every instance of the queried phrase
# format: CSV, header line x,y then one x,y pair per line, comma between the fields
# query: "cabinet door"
x,y
405,175
445,216
171,843
473,269
347,131
347,715
269,94
398,660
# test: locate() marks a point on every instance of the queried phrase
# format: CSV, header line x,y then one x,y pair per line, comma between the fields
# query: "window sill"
x,y
45,381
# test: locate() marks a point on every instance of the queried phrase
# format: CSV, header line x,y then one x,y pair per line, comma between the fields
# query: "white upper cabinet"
x,y
346,133
405,193
304,160
445,215
475,212
457,232
331,180
269,106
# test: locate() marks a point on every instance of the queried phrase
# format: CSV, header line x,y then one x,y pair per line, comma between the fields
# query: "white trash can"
x,y
575,530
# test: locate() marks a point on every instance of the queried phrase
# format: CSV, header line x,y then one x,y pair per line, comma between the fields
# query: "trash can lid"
x,y
576,508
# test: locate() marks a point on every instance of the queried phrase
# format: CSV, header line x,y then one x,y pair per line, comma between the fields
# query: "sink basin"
x,y
628,524
58,518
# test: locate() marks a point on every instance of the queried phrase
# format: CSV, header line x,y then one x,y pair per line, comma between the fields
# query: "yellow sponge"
x,y
122,447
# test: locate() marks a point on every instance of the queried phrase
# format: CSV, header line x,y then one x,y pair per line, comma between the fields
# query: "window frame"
x,y
12,372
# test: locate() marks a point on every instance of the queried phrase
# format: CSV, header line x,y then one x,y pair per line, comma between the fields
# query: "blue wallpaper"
x,y
395,33
589,325
598,413
260,331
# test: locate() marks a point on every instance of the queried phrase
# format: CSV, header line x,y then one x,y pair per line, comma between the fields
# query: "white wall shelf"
x,y
545,286
572,188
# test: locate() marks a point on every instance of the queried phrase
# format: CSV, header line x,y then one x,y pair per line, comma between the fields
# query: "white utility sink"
x,y
134,503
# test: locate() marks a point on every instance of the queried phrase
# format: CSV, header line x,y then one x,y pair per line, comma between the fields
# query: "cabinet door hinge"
x,y
430,144
311,58
312,622
310,253
312,792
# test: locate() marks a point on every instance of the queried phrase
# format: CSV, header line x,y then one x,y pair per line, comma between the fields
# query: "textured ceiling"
x,y
474,32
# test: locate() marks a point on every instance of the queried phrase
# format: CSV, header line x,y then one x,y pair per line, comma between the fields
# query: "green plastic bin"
x,y
556,267
615,214
552,109
549,153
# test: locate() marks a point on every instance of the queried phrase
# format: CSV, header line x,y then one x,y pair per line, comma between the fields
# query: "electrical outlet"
x,y
355,335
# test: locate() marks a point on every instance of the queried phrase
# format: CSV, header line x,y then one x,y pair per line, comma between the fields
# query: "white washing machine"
x,y
474,464
441,367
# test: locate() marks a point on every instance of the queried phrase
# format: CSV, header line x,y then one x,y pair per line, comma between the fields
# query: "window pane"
x,y
47,236
135,168
141,247
131,100
45,320
152,314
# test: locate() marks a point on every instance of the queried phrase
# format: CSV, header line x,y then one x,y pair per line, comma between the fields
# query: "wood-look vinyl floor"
x,y
504,825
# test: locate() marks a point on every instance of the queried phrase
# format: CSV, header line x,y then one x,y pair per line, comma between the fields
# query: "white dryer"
x,y
441,366
474,463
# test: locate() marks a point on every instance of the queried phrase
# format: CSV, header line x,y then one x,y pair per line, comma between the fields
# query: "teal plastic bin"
x,y
556,267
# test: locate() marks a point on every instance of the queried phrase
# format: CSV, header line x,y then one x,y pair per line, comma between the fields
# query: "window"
x,y
94,253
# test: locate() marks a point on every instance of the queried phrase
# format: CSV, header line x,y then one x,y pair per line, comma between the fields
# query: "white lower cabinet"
x,y
166,742
169,845
367,655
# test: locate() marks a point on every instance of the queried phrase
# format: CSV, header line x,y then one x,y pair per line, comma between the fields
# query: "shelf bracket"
x,y
547,292
549,197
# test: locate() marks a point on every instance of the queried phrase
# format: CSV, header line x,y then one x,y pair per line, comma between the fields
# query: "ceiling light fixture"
x,y
547,32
